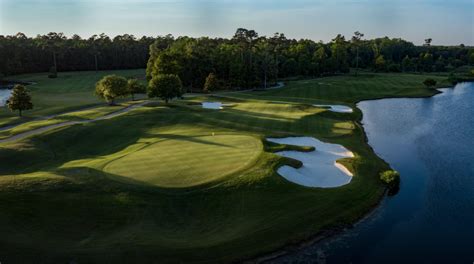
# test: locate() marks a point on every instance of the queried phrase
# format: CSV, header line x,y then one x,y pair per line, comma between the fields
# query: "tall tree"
x,y
356,41
212,83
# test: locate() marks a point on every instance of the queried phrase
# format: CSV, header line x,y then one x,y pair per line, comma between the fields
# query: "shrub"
x,y
111,87
452,78
53,73
390,178
212,83
394,67
429,82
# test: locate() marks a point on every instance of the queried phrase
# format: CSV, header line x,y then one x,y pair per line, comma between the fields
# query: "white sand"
x,y
320,167
212,105
4,95
336,108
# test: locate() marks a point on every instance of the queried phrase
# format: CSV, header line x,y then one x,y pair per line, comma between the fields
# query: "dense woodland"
x,y
243,61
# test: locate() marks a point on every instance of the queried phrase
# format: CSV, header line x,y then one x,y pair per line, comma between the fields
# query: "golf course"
x,y
176,182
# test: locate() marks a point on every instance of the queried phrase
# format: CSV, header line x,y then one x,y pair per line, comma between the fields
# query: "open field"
x,y
183,184
70,91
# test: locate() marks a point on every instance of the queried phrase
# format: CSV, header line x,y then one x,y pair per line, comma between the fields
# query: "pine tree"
x,y
20,99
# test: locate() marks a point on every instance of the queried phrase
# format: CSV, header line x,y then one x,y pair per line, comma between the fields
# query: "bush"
x,y
390,178
53,73
452,78
111,87
394,67
429,82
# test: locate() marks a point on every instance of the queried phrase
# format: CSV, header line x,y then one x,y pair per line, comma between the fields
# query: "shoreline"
x,y
332,232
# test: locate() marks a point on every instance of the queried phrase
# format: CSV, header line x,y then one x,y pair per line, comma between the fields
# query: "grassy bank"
x,y
178,183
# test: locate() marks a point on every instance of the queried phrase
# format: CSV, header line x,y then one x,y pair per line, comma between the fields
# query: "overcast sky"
x,y
449,22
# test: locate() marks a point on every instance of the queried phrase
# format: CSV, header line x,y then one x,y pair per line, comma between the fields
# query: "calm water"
x,y
4,95
431,220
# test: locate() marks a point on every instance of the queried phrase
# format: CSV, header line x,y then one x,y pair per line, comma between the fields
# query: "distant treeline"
x,y
21,54
245,60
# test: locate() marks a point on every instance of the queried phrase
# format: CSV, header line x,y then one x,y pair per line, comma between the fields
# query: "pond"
x,y
4,95
430,142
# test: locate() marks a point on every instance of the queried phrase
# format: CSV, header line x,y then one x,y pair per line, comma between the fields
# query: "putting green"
x,y
187,161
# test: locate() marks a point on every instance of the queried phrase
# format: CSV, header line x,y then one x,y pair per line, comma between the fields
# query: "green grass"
x,y
154,184
79,115
70,91
176,161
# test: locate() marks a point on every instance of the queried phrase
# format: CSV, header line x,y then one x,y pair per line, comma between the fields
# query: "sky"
x,y
448,22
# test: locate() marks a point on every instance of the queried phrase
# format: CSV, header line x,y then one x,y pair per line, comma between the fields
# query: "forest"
x,y
246,60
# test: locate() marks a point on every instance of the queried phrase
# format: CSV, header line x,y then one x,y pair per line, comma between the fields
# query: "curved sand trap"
x,y
336,108
320,167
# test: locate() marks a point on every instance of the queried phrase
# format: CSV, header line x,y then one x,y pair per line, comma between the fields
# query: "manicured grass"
x,y
176,161
154,184
70,91
79,115
349,89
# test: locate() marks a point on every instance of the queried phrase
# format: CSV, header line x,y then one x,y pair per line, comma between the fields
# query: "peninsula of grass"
x,y
178,183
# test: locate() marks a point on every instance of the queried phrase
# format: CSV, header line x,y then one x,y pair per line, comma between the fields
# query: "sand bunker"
x,y
212,105
320,167
215,105
336,108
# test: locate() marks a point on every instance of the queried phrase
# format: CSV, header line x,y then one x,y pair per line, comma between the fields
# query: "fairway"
x,y
185,161
179,183
70,91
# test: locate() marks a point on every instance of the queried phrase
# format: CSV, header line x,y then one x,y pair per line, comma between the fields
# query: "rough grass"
x,y
70,91
59,204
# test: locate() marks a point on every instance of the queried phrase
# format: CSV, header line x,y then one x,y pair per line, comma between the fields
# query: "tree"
x,y
407,64
320,58
165,86
390,177
20,99
53,73
429,82
212,84
135,87
380,63
356,39
111,87
339,54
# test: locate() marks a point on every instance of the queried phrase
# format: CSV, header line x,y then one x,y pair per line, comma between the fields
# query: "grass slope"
x,y
70,91
108,191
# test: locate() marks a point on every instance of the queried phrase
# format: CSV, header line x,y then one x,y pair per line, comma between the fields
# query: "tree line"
x,y
22,54
246,60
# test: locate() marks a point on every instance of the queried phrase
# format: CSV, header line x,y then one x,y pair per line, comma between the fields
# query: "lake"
x,y
430,142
